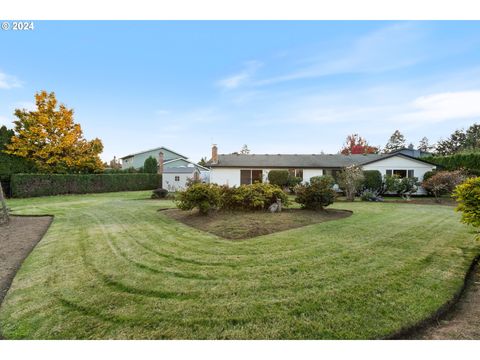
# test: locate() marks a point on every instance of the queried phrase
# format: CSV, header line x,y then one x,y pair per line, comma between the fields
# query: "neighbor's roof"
x,y
299,160
155,149
180,170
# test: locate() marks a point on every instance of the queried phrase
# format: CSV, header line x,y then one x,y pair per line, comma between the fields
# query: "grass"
x,y
237,225
112,266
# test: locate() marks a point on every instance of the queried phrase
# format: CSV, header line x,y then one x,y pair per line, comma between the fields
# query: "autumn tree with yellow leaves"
x,y
52,140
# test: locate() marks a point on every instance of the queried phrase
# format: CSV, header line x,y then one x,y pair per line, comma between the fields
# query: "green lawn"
x,y
112,266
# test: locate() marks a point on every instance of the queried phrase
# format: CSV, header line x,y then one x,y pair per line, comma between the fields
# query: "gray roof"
x,y
155,149
294,160
179,170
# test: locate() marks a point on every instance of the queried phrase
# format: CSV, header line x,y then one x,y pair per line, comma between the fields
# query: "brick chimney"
x,y
214,154
160,162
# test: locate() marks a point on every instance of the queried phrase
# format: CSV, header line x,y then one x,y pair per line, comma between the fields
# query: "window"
x,y
296,172
177,178
401,173
248,177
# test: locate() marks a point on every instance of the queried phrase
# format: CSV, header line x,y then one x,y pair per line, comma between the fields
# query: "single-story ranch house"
x,y
239,169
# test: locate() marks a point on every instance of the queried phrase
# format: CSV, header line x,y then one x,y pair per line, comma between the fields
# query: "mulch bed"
x,y
244,225
17,240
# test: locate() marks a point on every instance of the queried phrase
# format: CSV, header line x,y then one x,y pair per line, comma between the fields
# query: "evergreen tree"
x,y
150,165
245,150
396,142
424,145
203,161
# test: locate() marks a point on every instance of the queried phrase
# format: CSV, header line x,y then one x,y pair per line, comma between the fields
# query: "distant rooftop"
x,y
154,149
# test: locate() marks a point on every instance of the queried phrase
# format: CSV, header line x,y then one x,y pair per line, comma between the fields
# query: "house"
x,y
175,168
170,158
238,169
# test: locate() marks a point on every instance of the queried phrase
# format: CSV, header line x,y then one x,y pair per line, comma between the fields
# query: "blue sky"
x,y
280,87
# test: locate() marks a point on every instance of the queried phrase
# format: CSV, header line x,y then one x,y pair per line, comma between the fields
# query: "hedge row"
x,y
30,185
454,162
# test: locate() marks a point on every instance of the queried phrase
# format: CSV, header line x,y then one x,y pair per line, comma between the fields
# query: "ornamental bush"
x,y
317,194
372,180
467,195
204,197
443,182
159,193
278,177
257,196
404,187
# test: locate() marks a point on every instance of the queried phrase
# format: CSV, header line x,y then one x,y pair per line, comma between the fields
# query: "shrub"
x,y
278,177
350,179
317,194
204,197
401,186
29,185
443,182
150,165
429,174
369,195
258,196
292,182
159,193
467,195
372,181
190,181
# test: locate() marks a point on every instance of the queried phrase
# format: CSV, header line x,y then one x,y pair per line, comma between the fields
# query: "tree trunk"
x,y
4,212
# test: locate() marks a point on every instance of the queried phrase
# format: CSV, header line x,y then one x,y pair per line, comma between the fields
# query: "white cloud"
x,y
9,81
234,81
442,107
392,47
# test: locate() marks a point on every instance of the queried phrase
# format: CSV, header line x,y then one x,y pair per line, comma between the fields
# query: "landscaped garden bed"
x,y
243,225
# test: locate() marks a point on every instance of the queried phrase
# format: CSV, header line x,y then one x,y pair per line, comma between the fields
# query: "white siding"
x,y
401,163
169,183
309,173
225,176
231,176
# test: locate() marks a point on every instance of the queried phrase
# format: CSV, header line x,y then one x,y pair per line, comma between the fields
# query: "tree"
x,y
245,150
203,161
396,142
150,165
443,182
453,144
11,164
114,164
424,145
50,138
355,144
350,180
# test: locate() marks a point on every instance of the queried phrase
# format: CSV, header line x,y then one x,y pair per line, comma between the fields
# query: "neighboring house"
x,y
238,169
170,158
175,178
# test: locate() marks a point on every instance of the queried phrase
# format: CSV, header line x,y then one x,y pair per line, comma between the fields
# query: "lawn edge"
x,y
10,279
449,307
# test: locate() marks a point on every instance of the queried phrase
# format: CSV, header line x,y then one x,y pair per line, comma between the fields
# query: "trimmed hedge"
x,y
470,162
30,185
